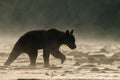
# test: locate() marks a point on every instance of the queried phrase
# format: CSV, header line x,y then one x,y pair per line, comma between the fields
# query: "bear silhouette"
x,y
48,40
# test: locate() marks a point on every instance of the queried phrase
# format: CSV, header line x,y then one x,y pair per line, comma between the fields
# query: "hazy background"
x,y
89,18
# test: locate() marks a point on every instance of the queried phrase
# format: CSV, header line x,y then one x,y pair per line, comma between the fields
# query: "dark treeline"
x,y
93,17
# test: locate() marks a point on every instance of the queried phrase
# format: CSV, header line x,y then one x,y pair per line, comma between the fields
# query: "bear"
x,y
49,40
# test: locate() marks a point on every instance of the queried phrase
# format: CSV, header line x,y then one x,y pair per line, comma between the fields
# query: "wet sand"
x,y
73,68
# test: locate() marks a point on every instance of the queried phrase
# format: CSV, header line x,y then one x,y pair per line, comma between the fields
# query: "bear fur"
x,y
48,40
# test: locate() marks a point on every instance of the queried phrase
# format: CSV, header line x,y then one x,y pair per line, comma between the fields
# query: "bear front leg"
x,y
59,55
46,55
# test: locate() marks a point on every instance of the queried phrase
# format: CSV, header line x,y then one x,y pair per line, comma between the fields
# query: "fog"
x,y
96,25
95,19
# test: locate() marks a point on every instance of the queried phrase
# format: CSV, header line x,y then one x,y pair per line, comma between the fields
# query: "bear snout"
x,y
73,47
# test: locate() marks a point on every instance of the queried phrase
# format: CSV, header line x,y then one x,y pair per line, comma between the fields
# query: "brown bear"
x,y
48,40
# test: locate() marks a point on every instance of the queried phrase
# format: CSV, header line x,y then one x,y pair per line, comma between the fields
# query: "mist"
x,y
96,19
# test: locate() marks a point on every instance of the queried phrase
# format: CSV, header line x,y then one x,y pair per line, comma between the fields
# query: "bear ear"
x,y
67,32
71,31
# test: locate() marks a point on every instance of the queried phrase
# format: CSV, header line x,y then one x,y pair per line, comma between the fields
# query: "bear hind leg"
x,y
32,56
14,54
